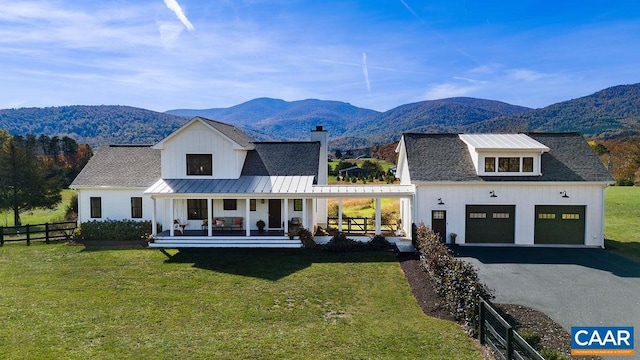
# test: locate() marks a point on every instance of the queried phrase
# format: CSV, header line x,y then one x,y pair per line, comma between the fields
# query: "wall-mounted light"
x,y
564,194
261,201
440,202
492,194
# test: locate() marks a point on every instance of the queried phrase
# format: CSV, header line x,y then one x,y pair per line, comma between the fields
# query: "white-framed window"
x,y
199,164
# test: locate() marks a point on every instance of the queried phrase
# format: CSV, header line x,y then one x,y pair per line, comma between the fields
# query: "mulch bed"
x,y
552,335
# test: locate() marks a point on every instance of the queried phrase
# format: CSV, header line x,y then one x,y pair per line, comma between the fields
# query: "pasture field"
x,y
67,302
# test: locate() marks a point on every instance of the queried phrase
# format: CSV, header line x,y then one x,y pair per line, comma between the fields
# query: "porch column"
x,y
247,215
209,217
339,214
378,216
154,228
286,215
304,215
171,205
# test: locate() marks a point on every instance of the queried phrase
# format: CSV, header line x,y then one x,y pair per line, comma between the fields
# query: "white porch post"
x,y
378,216
209,217
286,215
304,215
154,229
247,215
339,214
171,209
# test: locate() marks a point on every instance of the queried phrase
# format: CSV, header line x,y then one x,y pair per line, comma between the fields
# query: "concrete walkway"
x,y
575,287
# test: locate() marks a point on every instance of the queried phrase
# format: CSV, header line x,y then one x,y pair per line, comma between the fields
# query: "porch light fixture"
x,y
564,194
493,193
440,202
261,201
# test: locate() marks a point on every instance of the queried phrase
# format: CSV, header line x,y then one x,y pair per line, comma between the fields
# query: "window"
x,y
489,164
570,216
527,164
199,164
197,209
136,207
96,207
510,164
546,216
252,205
230,204
438,215
500,215
297,204
477,215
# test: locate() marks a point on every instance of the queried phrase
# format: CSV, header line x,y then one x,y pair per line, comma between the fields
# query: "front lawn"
x,y
60,301
622,220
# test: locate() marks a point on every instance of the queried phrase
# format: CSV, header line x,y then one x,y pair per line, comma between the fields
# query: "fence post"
x,y
46,233
481,319
1,236
28,234
509,343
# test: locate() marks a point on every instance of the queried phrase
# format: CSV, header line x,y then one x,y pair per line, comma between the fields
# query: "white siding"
x,y
525,196
116,204
200,139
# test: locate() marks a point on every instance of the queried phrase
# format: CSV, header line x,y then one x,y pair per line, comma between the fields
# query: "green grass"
x,y
622,220
40,216
59,301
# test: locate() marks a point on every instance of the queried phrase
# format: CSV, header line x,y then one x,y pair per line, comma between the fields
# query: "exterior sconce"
x,y
261,201
493,193
440,202
564,194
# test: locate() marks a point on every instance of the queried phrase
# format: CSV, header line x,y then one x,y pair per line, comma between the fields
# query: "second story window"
x,y
199,164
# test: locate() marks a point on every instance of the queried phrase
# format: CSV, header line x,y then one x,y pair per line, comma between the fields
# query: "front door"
x,y
439,224
275,213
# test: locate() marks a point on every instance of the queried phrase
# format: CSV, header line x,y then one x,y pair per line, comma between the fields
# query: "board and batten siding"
x,y
197,138
116,204
525,196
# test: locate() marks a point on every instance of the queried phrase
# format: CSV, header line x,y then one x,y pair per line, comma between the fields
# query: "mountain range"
x,y
610,113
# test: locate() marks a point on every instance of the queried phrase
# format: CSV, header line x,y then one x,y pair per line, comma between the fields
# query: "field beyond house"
x,y
60,301
622,220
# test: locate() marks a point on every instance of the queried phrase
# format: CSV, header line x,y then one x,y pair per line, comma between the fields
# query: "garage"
x,y
560,224
490,224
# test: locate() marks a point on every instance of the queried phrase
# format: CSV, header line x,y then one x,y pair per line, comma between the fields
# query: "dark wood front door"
x,y
439,224
275,214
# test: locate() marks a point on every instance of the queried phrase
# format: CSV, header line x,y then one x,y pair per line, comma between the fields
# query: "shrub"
x,y
341,243
455,281
379,243
306,237
552,354
530,336
122,230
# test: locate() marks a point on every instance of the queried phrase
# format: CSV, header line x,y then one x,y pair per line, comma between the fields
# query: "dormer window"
x,y
200,164
509,164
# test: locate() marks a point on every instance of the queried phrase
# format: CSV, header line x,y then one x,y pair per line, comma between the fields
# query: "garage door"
x,y
558,224
490,224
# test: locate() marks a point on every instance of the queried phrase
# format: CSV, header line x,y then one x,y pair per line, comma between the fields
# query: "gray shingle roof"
x,y
118,165
444,157
230,131
282,158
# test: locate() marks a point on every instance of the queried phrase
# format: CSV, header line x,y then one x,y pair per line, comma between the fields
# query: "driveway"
x,y
575,287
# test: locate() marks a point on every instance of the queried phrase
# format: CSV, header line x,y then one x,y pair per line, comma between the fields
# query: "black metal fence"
x,y
496,333
358,225
41,232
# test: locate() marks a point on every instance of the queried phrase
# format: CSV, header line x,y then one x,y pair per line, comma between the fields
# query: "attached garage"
x,y
490,224
560,224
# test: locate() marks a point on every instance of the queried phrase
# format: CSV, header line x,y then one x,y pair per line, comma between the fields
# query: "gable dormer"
x,y
505,154
204,149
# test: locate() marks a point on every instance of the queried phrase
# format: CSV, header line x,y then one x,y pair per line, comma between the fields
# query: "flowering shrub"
x,y
456,281
306,237
124,230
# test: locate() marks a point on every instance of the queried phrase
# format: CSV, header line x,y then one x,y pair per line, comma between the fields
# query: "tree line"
x,y
34,169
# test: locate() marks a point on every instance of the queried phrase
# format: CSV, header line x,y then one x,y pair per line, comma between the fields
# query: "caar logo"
x,y
602,340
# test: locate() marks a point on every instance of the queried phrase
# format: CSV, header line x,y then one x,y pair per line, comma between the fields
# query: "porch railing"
x,y
358,225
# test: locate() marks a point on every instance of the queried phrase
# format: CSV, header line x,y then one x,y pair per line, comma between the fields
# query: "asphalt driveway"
x,y
575,287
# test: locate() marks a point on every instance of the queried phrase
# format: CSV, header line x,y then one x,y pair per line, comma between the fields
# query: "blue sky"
x,y
168,54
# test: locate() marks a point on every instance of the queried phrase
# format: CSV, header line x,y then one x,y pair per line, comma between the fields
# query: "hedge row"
x,y
456,281
122,230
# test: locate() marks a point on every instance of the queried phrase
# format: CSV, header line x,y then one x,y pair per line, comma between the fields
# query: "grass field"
x,y
622,220
40,216
61,301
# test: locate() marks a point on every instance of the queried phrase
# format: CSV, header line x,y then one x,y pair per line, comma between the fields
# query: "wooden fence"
x,y
496,333
41,232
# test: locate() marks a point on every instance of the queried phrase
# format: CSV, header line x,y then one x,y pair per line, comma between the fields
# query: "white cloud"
x,y
525,75
365,71
175,7
448,90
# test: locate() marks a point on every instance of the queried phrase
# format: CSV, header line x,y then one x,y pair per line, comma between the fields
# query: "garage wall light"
x,y
564,194
493,193
440,202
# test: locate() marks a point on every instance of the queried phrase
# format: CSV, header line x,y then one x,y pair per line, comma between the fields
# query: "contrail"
x,y
365,71
175,7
